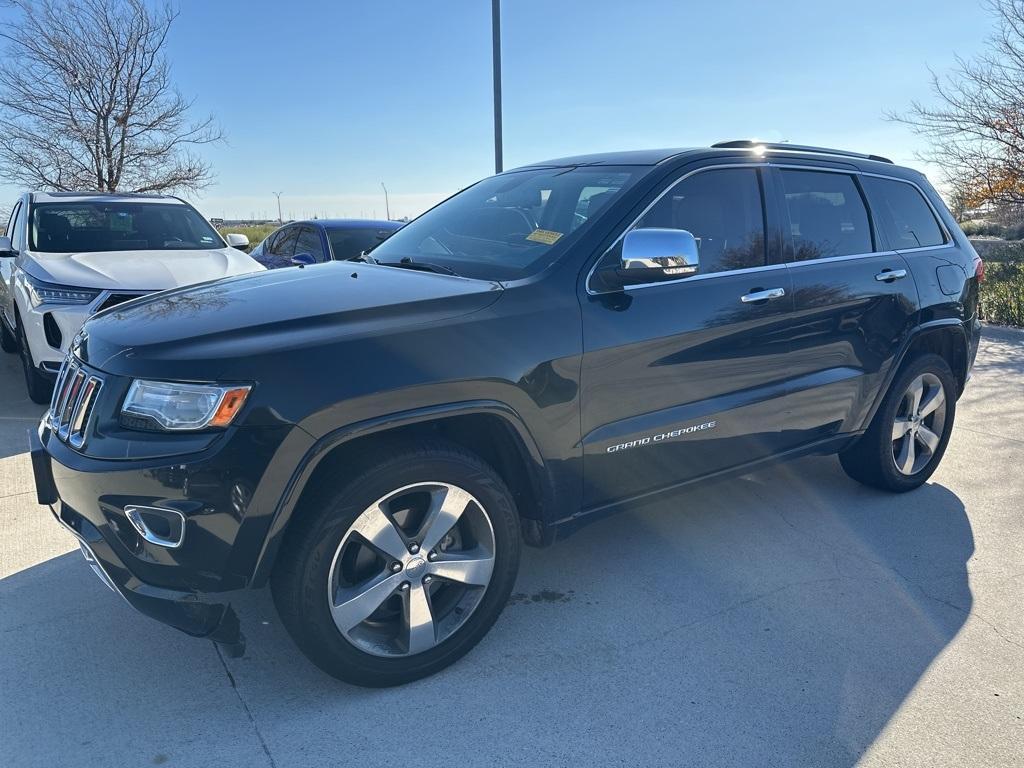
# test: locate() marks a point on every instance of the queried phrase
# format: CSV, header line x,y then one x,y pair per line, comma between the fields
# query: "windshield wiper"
x,y
422,266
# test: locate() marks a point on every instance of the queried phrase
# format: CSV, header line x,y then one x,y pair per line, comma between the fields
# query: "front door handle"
x,y
770,293
889,275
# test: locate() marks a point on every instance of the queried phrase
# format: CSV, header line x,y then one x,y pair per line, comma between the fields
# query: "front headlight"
x,y
40,292
180,407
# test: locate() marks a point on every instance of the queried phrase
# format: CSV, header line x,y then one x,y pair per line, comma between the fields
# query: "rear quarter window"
x,y
904,214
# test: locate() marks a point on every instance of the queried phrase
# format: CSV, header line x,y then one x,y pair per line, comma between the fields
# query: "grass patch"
x,y
1002,293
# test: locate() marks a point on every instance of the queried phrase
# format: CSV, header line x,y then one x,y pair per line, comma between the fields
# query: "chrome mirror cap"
x,y
672,251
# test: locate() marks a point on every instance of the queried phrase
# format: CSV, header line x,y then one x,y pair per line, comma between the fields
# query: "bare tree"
x,y
87,102
976,125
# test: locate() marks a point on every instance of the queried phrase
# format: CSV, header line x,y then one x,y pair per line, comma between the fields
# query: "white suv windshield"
x,y
118,226
508,226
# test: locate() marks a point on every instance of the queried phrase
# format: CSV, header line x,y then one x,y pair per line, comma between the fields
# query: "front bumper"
x,y
66,320
185,609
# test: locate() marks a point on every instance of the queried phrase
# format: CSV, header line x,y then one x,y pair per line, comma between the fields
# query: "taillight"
x,y
979,269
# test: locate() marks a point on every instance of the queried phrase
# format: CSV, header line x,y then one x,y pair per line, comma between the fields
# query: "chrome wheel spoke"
x,y
900,427
446,507
420,620
936,398
915,393
378,529
906,456
353,605
473,568
928,439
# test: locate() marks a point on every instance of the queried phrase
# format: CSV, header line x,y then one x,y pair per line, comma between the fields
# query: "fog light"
x,y
163,527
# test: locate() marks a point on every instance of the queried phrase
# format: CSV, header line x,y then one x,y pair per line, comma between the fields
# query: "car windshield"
x,y
103,225
348,243
508,226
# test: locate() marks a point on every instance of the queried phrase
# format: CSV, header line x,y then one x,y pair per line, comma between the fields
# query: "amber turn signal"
x,y
230,404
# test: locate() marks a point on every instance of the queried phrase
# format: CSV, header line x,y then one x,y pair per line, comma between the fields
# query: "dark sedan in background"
x,y
322,240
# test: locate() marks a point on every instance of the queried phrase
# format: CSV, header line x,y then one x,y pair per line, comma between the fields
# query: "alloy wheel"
x,y
411,569
919,424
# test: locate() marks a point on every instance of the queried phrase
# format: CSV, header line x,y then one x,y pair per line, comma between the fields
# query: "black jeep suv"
x,y
376,438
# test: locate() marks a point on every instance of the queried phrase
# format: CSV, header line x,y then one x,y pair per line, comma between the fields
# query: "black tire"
x,y
300,580
8,341
871,459
40,388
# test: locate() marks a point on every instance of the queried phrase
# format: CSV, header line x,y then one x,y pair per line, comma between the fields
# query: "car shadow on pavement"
x,y
780,618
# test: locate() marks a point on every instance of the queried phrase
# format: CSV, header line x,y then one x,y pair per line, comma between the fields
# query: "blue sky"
x,y
324,100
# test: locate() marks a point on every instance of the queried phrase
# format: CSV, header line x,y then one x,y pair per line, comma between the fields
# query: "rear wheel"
x,y
401,571
40,388
909,434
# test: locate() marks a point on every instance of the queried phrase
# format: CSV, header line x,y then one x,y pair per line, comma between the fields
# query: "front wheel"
x,y
401,571
910,431
40,388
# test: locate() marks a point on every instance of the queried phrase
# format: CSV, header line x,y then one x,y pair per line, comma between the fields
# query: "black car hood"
x,y
171,332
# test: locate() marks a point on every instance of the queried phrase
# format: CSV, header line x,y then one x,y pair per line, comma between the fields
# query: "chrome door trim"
x,y
699,277
830,259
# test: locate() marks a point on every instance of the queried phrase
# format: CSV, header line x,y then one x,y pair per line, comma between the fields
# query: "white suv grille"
x,y
74,397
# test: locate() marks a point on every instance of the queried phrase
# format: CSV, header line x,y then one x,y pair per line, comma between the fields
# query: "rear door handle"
x,y
889,275
771,293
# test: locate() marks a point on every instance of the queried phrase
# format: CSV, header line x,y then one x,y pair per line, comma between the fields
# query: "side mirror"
x,y
241,242
303,259
6,249
653,253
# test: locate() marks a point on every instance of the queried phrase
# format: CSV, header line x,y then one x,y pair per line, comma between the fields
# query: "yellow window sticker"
x,y
545,236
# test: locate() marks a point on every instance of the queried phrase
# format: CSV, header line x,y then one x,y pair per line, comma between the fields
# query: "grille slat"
x,y
74,388
57,389
83,412
74,399
62,401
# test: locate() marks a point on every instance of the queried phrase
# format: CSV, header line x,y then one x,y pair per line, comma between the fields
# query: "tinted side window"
x,y
827,216
723,210
309,242
903,212
283,243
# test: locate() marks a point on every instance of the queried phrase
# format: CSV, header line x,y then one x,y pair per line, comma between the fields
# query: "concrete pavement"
x,y
790,617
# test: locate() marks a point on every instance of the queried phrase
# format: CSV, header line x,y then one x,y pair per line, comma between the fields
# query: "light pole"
x,y
280,220
387,205
496,51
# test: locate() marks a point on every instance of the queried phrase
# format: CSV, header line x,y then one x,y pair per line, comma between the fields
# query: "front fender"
x,y
323,446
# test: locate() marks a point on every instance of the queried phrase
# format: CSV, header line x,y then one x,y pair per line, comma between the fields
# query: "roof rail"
x,y
749,144
100,193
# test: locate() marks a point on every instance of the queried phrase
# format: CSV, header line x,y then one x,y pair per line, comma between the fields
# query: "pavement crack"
x,y
990,434
248,712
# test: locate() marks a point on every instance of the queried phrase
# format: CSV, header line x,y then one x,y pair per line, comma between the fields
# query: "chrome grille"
x,y
74,397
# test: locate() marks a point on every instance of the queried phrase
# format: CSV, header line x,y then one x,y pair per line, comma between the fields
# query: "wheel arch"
x,y
946,338
490,429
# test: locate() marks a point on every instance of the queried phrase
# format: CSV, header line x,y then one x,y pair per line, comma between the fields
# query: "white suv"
x,y
68,255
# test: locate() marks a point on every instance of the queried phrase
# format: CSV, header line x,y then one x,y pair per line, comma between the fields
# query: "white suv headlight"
x,y
40,292
181,407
